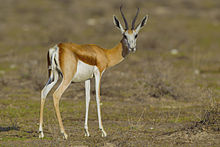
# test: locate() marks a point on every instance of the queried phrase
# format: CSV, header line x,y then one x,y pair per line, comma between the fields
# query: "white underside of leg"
x,y
49,86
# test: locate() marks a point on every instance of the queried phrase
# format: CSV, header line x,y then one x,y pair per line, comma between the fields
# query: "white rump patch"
x,y
84,72
54,55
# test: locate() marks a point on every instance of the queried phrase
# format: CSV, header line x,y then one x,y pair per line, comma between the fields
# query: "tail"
x,y
49,63
53,63
53,70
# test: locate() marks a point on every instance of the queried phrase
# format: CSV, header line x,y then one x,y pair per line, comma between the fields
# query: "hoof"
x,y
103,133
41,135
65,136
87,133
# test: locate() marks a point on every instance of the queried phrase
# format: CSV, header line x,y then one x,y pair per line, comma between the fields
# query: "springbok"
x,y
77,63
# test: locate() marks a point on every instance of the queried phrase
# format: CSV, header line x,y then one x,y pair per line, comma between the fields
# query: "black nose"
x,y
132,49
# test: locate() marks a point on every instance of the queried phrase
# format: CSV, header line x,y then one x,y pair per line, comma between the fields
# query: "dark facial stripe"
x,y
125,49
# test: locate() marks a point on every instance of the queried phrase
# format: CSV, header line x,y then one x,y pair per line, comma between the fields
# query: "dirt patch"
x,y
205,131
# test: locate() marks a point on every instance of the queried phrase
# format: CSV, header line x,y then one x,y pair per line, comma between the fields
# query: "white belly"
x,y
84,72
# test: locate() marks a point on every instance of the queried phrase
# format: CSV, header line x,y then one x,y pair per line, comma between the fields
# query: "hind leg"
x,y
68,67
56,99
51,82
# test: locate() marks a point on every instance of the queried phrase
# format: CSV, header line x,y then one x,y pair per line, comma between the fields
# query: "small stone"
x,y
91,21
174,51
12,66
197,71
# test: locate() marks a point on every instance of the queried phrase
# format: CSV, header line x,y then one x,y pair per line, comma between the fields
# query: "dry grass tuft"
x,y
163,80
210,119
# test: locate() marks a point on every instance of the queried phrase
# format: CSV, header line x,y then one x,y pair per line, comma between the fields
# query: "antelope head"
x,y
129,35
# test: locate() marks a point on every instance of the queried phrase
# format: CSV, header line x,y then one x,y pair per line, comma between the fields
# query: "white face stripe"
x,y
131,39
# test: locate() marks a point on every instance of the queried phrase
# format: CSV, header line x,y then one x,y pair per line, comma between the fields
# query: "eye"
x,y
136,36
125,37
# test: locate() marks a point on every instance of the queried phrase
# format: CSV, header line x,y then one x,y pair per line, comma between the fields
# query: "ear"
x,y
141,25
118,24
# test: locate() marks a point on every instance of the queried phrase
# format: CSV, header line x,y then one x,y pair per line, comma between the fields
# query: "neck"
x,y
117,53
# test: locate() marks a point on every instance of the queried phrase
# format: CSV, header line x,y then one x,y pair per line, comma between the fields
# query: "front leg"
x,y
97,81
87,92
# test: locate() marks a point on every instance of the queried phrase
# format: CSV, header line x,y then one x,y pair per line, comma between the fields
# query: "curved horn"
x,y
133,22
126,23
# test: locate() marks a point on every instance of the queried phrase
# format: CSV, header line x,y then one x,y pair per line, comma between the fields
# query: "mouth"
x,y
133,50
